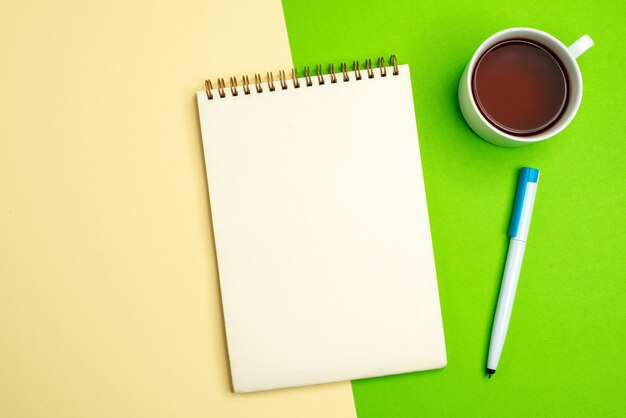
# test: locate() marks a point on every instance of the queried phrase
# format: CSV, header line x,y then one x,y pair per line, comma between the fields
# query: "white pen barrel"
x,y
505,301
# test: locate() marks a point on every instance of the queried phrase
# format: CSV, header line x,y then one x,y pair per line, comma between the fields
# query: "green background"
x,y
564,351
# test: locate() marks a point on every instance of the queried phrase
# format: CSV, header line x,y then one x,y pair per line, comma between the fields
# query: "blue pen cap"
x,y
526,175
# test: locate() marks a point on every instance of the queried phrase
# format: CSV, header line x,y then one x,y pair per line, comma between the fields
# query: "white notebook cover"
x,y
321,230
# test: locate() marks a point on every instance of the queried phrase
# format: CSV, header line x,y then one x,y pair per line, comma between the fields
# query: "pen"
x,y
518,231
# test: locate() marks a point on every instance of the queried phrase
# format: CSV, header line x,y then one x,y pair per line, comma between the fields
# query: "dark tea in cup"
x,y
520,87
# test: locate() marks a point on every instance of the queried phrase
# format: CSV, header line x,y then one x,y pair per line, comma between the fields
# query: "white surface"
x,y
322,235
566,55
512,269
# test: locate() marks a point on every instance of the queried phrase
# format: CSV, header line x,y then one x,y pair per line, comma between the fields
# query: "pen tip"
x,y
490,372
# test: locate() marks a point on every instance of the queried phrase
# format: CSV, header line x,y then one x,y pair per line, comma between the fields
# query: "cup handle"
x,y
580,46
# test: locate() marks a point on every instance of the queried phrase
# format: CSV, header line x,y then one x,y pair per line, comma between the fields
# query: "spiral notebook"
x,y
321,227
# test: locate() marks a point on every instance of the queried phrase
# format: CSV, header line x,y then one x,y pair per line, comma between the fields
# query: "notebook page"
x,y
322,235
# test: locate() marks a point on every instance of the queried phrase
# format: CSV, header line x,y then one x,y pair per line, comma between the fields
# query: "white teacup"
x,y
567,57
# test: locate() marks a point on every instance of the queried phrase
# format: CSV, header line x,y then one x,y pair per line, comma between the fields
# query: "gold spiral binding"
x,y
368,66
294,78
394,62
357,69
381,67
208,86
245,83
333,76
344,70
220,87
233,86
319,73
270,81
257,82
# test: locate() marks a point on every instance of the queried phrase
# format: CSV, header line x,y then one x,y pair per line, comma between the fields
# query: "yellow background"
x,y
109,297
